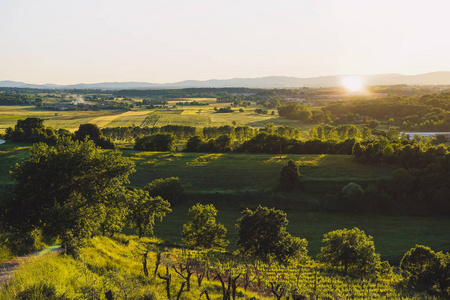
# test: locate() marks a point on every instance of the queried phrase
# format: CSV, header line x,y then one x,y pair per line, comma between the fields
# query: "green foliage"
x,y
295,111
424,269
262,233
167,188
351,249
93,132
31,130
155,142
143,209
201,229
289,177
61,189
194,144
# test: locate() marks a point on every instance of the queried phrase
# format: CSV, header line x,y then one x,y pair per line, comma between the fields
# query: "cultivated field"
x,y
199,116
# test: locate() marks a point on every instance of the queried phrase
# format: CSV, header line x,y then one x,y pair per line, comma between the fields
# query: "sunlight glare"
x,y
353,83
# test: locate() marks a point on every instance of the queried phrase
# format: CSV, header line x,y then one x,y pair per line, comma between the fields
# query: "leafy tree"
x,y
262,233
295,111
351,249
93,132
61,189
143,209
423,268
201,229
194,144
167,188
289,177
155,142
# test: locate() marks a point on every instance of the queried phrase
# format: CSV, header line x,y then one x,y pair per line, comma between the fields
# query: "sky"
x,y
87,41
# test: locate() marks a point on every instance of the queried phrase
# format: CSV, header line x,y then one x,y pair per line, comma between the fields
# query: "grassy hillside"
x,y
116,265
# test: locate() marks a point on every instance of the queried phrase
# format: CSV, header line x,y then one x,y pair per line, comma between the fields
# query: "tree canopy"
x,y
423,269
262,233
351,249
201,229
144,209
155,142
63,189
167,188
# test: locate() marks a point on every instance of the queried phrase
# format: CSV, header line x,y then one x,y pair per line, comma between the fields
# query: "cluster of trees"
x,y
32,130
261,111
221,144
426,113
269,143
155,142
223,110
422,186
15,99
131,133
73,191
340,133
272,143
93,132
408,154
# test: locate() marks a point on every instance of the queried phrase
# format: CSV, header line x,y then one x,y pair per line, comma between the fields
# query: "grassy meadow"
x,y
232,181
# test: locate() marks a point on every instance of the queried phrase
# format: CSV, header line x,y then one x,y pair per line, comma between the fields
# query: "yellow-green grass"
x,y
106,264
116,265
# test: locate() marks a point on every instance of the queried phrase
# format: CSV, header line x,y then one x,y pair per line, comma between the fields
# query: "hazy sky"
x,y
65,41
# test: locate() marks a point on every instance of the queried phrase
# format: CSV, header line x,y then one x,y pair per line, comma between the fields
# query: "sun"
x,y
353,83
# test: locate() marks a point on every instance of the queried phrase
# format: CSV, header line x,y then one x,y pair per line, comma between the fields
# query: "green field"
x,y
199,116
232,181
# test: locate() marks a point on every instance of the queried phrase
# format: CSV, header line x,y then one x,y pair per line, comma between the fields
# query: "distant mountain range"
x,y
435,78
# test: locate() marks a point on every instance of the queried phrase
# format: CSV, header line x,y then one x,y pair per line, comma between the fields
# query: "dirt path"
x,y
7,268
